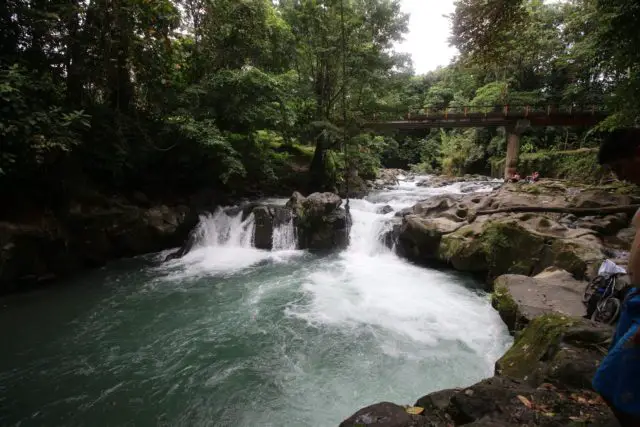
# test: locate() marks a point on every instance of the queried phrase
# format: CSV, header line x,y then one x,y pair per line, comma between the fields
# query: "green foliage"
x,y
577,165
247,97
174,96
33,131
364,154
480,27
459,151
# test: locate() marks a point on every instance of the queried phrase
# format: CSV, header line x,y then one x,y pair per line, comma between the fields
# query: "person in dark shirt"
x,y
617,379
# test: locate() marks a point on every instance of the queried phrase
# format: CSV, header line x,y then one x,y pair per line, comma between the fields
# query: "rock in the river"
x,y
385,210
262,237
388,178
321,222
267,218
419,238
474,182
494,247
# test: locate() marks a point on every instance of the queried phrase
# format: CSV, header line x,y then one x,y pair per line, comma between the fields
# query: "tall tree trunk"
x,y
319,179
74,55
39,29
120,86
10,33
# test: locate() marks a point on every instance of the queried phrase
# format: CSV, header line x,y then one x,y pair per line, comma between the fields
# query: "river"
x,y
235,336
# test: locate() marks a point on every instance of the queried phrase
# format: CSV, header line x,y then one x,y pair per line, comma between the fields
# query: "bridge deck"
x,y
482,116
466,120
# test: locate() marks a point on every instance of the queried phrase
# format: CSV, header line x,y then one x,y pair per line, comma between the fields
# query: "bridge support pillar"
x,y
513,146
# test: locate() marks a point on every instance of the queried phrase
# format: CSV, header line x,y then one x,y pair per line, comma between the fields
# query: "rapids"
x,y
231,335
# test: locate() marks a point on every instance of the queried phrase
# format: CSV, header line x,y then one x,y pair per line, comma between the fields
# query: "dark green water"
x,y
233,336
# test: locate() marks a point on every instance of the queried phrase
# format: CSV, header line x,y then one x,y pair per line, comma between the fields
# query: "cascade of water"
x,y
222,229
284,236
366,228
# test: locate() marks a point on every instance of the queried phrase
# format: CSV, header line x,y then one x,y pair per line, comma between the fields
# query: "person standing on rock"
x,y
617,379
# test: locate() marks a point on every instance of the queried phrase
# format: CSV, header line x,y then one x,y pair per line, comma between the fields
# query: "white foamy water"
x,y
408,193
284,237
238,336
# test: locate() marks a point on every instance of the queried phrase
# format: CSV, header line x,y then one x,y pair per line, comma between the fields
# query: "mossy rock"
x,y
420,238
505,305
498,248
572,256
511,249
533,345
463,249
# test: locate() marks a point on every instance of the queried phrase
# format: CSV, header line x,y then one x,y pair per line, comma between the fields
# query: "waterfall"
x,y
284,236
225,230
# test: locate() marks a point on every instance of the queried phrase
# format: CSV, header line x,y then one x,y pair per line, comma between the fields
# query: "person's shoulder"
x,y
636,219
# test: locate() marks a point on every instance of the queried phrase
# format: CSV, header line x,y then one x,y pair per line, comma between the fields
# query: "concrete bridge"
x,y
514,118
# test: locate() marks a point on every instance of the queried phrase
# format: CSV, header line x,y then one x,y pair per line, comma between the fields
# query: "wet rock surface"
x,y
388,178
519,299
320,220
447,229
87,236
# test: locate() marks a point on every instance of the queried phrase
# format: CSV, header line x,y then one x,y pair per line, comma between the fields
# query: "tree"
x,y
370,29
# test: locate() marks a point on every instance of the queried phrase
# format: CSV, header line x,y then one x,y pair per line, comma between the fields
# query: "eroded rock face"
x,y
321,222
385,210
557,349
446,228
87,237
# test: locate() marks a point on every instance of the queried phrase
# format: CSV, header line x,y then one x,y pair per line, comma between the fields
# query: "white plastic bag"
x,y
609,268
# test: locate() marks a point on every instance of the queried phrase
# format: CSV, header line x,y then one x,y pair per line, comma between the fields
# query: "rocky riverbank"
x,y
446,229
88,235
102,229
536,264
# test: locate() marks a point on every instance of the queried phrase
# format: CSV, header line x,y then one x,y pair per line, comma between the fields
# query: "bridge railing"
x,y
436,112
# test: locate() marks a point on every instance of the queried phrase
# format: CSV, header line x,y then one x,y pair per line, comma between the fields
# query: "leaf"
x,y
526,402
547,386
415,410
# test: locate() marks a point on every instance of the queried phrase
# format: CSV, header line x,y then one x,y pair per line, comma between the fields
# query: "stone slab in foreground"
x,y
518,299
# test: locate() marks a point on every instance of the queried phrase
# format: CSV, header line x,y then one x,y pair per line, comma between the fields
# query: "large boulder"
x,y
447,228
555,348
127,231
387,178
262,237
493,247
34,253
519,299
321,223
419,238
